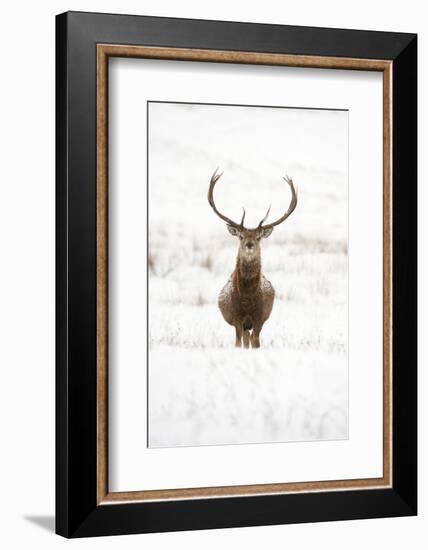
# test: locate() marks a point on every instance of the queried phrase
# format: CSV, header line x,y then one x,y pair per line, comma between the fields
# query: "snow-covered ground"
x,y
203,391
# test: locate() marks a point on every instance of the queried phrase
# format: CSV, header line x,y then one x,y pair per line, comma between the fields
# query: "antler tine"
x,y
243,217
265,218
214,178
291,207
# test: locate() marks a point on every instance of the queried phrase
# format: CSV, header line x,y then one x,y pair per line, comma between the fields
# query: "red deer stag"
x,y
247,299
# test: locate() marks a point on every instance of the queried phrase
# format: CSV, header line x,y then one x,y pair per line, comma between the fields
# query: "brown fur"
x,y
247,299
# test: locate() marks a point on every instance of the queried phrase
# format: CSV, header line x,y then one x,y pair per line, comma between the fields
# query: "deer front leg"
x,y
238,341
246,338
255,337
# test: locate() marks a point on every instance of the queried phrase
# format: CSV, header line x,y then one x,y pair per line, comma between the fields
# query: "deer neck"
x,y
248,273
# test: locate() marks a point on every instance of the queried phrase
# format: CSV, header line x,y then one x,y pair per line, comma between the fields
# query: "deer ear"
x,y
233,231
266,231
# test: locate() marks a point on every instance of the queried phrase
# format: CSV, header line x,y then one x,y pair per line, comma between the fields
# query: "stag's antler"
x,y
292,206
214,178
293,203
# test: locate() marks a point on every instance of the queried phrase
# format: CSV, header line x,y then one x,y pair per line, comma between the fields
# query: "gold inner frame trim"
x,y
104,51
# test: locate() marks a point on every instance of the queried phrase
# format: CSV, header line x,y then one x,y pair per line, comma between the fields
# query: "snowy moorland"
x,y
203,391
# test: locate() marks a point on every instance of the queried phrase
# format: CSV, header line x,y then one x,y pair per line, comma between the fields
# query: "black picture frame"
x,y
77,511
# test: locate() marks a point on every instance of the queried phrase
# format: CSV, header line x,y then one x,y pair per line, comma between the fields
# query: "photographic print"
x,y
247,274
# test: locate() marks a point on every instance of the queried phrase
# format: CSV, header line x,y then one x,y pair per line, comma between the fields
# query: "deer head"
x,y
249,247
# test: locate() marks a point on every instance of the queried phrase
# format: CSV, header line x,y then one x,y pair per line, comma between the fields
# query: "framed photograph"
x,y
236,274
